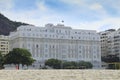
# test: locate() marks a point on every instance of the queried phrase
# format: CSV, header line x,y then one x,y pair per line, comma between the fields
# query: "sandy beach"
x,y
59,74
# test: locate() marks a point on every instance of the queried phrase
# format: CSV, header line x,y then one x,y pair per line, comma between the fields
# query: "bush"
x,y
83,64
54,63
70,65
58,64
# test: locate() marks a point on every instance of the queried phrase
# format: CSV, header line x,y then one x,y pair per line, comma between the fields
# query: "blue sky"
x,y
79,14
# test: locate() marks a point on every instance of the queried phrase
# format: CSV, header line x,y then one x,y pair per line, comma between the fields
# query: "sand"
x,y
59,74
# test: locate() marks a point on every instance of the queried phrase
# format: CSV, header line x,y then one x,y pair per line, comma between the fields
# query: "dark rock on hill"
x,y
6,25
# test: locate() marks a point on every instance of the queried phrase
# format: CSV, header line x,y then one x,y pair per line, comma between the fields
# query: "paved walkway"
x,y
59,74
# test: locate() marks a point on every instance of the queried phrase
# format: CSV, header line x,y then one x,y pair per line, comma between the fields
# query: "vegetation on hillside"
x,y
6,25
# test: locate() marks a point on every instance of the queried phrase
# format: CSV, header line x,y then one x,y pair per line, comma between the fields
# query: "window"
x,y
79,56
3,42
28,29
46,55
59,31
28,45
2,45
72,37
37,46
33,34
23,45
28,34
56,31
52,30
56,36
75,32
23,34
62,37
46,45
37,35
40,35
94,56
50,46
65,32
46,50
46,30
45,35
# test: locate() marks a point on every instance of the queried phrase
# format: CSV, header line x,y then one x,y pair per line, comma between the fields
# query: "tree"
x,y
110,58
19,56
83,64
1,60
76,65
54,63
70,65
58,64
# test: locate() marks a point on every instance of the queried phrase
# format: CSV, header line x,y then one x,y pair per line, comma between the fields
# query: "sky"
x,y
97,15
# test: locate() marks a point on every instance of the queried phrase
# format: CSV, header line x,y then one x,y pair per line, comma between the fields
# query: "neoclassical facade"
x,y
59,42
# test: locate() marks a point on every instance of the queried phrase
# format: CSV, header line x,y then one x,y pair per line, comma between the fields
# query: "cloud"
x,y
96,6
73,2
115,5
101,25
35,17
6,4
98,10
38,16
109,23
41,5
88,8
94,14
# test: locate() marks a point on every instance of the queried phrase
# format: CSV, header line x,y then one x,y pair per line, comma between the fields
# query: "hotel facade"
x,y
58,42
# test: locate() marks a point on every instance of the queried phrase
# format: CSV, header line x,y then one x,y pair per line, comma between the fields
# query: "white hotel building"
x,y
59,42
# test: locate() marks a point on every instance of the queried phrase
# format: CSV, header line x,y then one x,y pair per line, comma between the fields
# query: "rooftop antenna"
x,y
62,21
